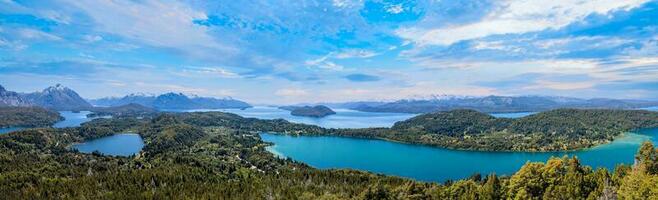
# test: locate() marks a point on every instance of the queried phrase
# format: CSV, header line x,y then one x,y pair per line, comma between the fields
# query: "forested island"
x,y
221,156
128,110
27,117
310,111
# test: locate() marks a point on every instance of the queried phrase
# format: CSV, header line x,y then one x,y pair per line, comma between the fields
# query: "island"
x,y
128,110
317,111
220,155
28,117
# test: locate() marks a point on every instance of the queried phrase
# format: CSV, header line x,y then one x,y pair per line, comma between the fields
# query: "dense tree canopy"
x,y
27,117
555,130
209,156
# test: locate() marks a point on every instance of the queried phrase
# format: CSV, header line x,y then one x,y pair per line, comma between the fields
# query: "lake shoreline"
x,y
434,164
621,135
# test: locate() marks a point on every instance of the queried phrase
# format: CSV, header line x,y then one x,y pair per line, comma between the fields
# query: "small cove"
x,y
123,144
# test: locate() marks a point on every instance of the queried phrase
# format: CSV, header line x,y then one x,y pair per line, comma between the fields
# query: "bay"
x,y
427,163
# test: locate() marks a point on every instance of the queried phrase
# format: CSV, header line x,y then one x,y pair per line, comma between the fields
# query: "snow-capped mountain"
x,y
58,97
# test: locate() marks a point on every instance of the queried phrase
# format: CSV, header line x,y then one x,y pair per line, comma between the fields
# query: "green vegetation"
x,y
555,130
27,117
128,110
220,156
311,111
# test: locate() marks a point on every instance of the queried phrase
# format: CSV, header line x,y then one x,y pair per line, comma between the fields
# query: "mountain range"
x,y
9,98
172,101
62,98
55,97
494,104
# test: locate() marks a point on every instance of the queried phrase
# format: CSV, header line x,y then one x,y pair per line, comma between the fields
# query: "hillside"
x,y
128,110
27,117
183,158
555,130
312,111
317,111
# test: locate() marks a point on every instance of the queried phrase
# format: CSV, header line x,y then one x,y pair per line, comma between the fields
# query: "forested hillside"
x,y
555,130
27,117
184,158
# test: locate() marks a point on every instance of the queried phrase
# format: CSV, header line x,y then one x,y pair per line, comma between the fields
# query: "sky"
x,y
332,50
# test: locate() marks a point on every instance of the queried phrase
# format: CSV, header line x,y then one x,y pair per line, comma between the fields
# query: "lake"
x,y
512,115
436,164
344,118
654,108
71,119
10,129
124,144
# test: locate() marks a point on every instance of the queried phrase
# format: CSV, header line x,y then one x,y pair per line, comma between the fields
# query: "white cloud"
x,y
648,48
291,92
543,84
169,88
323,63
162,24
20,38
354,53
395,9
345,4
92,38
518,16
32,34
214,71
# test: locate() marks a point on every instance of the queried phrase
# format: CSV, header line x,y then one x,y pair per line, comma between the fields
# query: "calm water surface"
x,y
71,119
654,108
125,144
344,118
512,115
436,164
10,129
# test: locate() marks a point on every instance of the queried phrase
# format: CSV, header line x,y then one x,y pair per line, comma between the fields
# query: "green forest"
x,y
217,155
555,130
27,117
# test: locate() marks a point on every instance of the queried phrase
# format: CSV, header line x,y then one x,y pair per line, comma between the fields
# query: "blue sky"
x,y
340,50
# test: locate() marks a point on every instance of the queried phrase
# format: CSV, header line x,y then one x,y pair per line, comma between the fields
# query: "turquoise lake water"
x,y
436,164
512,115
413,161
125,144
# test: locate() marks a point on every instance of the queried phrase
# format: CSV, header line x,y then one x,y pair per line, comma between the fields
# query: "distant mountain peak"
x,y
59,97
140,94
435,97
57,88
